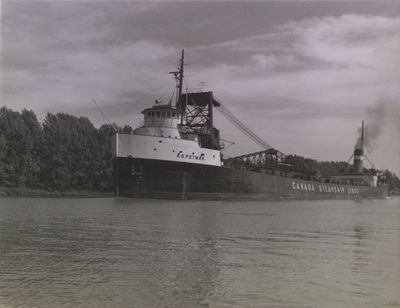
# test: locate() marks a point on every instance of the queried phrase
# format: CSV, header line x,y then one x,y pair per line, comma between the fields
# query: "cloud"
x,y
305,67
315,60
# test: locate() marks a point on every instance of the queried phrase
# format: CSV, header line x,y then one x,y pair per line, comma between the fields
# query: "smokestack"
x,y
359,153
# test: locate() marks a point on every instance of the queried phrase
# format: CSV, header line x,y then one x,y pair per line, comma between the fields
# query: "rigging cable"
x,y
167,89
369,160
172,96
116,147
239,124
352,155
104,116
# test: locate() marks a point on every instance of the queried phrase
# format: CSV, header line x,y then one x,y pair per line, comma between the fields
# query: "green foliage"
x,y
393,181
71,152
312,167
17,146
105,179
32,174
64,153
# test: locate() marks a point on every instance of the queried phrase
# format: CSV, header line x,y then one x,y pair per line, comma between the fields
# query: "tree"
x,y
105,133
18,145
54,152
33,162
71,152
392,181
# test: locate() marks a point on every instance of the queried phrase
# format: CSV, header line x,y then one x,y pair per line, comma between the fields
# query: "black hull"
x,y
144,178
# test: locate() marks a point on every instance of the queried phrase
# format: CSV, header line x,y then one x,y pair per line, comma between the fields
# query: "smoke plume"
x,y
373,124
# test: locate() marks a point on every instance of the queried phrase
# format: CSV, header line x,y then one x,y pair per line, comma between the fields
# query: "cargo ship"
x,y
176,153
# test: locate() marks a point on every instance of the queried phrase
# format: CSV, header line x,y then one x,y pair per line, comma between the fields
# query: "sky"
x,y
302,75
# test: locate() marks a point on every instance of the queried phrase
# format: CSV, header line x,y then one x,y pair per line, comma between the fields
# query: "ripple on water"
x,y
102,253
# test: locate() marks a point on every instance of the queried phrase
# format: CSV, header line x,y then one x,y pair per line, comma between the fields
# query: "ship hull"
x,y
147,178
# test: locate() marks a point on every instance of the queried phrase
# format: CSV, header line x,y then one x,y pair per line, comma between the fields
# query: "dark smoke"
x,y
373,124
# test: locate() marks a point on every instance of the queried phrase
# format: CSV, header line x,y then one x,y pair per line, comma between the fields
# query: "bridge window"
x,y
168,114
158,114
173,114
163,114
153,114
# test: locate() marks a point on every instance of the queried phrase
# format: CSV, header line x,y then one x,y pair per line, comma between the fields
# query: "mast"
x,y
178,75
362,135
180,84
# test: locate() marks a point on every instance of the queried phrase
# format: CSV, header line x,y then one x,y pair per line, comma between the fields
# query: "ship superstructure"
x,y
181,133
176,153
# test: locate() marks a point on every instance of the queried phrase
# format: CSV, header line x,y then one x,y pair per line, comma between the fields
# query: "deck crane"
x,y
227,114
268,159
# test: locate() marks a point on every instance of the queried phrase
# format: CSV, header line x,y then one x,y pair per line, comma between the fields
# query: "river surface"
x,y
142,253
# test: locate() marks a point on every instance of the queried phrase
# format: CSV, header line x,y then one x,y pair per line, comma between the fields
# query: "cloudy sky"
x,y
301,74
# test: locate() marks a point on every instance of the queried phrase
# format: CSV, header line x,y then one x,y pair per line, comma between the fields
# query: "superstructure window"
x,y
153,114
168,114
173,114
158,114
163,114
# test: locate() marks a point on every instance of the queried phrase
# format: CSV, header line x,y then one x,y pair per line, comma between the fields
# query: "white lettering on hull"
x,y
303,186
192,155
297,185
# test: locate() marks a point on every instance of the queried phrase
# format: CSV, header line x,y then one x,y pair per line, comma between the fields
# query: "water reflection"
x,y
197,265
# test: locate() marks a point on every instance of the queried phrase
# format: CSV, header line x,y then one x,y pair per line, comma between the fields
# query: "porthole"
x,y
155,149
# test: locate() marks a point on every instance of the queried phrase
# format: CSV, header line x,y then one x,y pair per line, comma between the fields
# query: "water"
x,y
142,253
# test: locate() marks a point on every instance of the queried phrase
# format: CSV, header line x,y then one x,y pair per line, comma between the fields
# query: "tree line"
x,y
66,152
310,166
